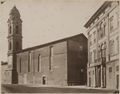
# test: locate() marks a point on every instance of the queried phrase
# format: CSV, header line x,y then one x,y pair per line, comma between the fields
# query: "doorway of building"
x,y
99,76
104,76
43,80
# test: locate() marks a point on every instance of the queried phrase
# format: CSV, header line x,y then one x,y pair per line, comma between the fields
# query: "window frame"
x,y
111,23
29,61
39,63
51,57
20,70
110,69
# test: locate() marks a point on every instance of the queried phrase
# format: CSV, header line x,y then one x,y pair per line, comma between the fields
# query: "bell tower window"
x,y
17,45
10,30
17,29
10,46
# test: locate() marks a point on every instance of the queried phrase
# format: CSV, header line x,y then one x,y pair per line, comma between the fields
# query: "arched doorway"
x,y
44,80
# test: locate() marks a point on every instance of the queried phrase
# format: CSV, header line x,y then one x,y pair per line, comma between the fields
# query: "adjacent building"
x,y
103,46
62,62
3,69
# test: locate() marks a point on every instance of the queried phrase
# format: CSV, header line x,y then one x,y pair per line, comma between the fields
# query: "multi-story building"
x,y
61,62
103,46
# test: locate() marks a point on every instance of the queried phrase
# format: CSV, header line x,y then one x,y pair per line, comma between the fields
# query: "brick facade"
x,y
56,75
67,65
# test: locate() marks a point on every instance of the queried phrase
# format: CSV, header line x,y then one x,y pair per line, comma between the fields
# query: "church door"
x,y
44,80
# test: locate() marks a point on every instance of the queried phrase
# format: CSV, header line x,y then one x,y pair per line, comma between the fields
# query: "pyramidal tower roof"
x,y
14,12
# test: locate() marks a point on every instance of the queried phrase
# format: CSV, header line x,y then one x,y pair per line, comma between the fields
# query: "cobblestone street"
x,y
52,89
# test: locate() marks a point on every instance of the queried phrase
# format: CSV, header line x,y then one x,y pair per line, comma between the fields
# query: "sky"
x,y
46,20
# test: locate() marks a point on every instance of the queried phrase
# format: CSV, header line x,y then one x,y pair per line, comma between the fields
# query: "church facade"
x,y
61,62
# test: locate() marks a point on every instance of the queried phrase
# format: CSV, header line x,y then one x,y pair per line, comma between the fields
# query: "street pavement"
x,y
14,88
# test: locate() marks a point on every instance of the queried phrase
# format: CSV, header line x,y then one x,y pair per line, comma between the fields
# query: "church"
x,y
60,62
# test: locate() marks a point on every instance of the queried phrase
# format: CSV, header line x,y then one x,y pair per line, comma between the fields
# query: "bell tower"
x,y
14,41
14,31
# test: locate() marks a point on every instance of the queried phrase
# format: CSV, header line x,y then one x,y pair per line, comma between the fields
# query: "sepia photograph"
x,y
59,46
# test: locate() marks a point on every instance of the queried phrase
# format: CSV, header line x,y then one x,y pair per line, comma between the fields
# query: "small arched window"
x,y
17,29
10,46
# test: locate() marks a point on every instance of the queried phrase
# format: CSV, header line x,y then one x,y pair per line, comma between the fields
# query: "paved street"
x,y
51,89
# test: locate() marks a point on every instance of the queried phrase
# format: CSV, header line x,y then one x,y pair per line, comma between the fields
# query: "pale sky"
x,y
46,20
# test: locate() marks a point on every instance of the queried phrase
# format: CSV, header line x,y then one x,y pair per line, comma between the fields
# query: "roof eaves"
x,y
53,42
97,13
